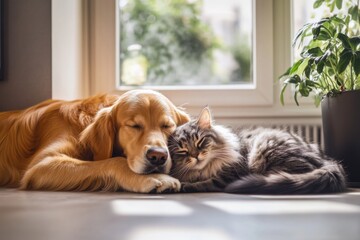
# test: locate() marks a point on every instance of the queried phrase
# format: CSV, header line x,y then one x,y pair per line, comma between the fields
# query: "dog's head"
x,y
138,124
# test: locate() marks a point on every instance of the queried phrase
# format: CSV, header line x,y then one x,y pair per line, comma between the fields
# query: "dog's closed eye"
x,y
135,126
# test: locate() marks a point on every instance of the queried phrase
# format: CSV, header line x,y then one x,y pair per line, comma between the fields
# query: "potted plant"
x,y
329,70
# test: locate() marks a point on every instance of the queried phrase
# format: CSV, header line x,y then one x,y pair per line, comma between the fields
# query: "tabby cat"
x,y
210,158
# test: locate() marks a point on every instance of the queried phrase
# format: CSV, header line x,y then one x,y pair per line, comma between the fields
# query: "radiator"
x,y
312,133
309,129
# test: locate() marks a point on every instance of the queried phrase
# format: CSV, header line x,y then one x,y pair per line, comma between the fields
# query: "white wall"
x,y
69,49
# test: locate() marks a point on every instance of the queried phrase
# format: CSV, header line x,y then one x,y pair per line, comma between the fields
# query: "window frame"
x,y
88,60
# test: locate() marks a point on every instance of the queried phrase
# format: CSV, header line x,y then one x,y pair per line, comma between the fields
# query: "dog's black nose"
x,y
157,156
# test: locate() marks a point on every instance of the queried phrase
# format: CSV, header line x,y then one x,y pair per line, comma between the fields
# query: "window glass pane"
x,y
185,42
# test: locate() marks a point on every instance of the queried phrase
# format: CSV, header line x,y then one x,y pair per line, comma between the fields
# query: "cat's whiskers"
x,y
181,171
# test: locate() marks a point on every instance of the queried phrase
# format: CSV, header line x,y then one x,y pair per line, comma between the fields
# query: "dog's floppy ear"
x,y
181,117
99,136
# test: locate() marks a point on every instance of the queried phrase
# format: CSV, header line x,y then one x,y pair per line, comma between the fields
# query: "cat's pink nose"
x,y
157,156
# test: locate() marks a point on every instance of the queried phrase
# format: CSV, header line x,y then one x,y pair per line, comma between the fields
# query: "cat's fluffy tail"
x,y
328,179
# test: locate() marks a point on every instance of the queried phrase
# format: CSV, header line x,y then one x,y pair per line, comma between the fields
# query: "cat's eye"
x,y
182,153
166,126
201,143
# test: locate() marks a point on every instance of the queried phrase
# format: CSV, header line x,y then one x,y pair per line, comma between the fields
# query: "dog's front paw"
x,y
159,183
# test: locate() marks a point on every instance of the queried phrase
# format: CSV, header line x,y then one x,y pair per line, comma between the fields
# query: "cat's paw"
x,y
187,187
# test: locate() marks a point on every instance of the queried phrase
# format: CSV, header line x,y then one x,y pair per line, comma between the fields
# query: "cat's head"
x,y
191,144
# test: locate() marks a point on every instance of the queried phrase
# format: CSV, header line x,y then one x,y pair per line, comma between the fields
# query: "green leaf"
x,y
302,32
331,58
344,40
295,67
338,82
302,66
315,52
344,61
354,42
321,61
326,55
337,19
282,94
295,98
323,35
354,12
313,44
316,30
304,54
308,71
320,67
317,99
303,89
290,80
318,3
324,20
310,83
338,4
356,63
293,79
332,6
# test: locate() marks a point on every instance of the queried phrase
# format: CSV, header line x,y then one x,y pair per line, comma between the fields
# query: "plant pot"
x,y
341,126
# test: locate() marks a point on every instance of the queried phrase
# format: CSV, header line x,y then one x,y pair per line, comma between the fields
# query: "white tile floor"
x,y
74,215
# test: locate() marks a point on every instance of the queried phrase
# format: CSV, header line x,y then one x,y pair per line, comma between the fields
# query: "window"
x,y
98,47
185,42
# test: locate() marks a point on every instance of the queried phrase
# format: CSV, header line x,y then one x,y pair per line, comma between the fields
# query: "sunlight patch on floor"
x,y
178,233
353,193
148,207
282,207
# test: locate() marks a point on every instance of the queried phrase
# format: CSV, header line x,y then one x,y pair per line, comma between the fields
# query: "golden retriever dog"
x,y
104,143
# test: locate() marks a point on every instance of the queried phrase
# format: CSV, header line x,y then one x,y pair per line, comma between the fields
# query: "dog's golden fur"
x,y
97,143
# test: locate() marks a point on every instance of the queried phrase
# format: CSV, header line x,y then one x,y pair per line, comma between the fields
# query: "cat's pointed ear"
x,y
205,120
